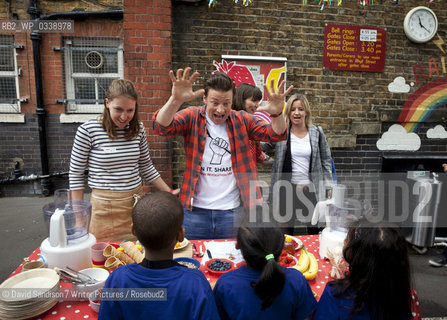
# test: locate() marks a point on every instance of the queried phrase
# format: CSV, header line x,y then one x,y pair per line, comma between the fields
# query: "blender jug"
x,y
342,216
77,219
61,198
68,243
77,215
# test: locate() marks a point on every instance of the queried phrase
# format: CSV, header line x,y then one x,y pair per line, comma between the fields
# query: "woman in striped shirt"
x,y
115,151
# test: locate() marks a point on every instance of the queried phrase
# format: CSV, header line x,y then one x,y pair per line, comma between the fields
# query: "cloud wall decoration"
x,y
397,138
399,86
437,132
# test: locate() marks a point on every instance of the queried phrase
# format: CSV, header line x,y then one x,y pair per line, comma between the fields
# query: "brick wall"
x,y
354,108
146,34
59,135
20,143
147,59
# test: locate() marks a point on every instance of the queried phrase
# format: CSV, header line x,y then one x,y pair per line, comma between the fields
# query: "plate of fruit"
x,y
287,260
181,245
297,243
219,266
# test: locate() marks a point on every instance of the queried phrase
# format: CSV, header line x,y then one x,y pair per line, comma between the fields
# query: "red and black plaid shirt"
x,y
241,127
258,154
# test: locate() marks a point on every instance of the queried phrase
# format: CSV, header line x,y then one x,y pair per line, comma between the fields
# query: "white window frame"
x,y
12,107
71,106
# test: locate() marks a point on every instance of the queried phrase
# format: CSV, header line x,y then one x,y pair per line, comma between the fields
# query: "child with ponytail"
x,y
263,289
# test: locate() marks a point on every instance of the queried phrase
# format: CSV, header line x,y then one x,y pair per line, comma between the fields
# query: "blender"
x,y
68,243
339,213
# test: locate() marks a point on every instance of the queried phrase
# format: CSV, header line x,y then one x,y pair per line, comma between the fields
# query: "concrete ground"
x,y
23,229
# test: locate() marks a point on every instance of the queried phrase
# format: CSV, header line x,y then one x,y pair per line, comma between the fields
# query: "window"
x,y
91,64
9,80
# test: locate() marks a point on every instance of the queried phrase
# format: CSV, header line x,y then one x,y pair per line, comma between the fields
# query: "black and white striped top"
x,y
112,164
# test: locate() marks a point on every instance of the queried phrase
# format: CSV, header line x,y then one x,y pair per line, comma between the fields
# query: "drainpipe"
x,y
40,109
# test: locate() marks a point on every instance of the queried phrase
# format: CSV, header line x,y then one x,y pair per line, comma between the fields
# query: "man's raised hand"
x,y
182,86
276,98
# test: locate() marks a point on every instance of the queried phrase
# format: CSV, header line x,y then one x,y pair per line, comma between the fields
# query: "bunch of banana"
x,y
303,261
307,264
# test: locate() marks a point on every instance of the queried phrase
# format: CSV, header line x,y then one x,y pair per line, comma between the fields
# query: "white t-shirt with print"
x,y
301,152
216,188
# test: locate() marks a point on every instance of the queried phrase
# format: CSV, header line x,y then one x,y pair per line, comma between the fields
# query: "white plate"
x,y
42,279
47,283
26,313
296,260
297,241
183,244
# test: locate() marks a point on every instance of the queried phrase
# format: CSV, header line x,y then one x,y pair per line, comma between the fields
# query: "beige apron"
x,y
112,214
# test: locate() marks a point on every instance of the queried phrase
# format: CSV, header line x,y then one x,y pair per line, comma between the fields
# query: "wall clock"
x,y
420,24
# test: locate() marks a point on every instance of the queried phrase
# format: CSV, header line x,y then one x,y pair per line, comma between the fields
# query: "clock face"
x,y
420,24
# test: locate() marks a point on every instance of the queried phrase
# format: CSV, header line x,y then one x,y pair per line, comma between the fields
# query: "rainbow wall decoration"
x,y
422,103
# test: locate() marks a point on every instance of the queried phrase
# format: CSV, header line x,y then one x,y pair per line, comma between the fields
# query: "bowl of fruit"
x,y
219,266
287,260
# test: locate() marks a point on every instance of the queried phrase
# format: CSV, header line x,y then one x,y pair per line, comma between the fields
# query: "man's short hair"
x,y
157,219
220,82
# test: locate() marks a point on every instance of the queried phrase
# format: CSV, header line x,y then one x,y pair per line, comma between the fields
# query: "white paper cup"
x,y
35,264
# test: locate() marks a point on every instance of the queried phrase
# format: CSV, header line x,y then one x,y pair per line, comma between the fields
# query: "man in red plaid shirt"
x,y
220,170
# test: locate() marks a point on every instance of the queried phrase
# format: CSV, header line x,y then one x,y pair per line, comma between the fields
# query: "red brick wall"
x,y
146,33
147,61
52,61
24,61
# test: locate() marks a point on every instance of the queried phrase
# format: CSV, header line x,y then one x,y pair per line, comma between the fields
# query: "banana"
x,y
311,273
303,261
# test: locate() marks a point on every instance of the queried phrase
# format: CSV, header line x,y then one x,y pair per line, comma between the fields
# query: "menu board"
x,y
354,48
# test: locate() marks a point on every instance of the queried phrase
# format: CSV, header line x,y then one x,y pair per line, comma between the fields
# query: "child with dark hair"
x,y
377,285
263,289
247,99
157,223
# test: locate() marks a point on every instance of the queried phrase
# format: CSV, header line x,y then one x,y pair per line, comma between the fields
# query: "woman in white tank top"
x,y
303,167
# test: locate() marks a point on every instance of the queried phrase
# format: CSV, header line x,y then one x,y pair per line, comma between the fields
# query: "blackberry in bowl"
x,y
219,266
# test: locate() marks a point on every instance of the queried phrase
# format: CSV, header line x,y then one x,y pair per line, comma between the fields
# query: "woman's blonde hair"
x,y
121,88
306,105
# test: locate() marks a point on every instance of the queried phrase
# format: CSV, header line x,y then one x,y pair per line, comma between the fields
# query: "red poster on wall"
x,y
255,70
354,48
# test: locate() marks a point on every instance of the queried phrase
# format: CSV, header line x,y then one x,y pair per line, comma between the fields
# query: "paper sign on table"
x,y
223,250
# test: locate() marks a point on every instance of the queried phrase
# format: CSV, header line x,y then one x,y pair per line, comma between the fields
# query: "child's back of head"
x,y
379,271
176,292
261,248
157,219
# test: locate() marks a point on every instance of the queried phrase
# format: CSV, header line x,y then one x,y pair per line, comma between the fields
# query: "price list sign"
x,y
354,48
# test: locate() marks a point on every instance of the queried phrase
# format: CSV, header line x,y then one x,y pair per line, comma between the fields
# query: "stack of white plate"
x,y
29,294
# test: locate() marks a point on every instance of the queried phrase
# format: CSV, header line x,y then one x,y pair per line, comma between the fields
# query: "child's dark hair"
x,y
379,272
157,219
220,82
121,88
245,91
256,243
